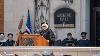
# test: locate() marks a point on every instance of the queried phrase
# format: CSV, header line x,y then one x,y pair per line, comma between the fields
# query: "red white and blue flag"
x,y
28,23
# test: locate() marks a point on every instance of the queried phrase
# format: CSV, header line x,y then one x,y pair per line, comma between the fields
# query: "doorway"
x,y
97,17
95,22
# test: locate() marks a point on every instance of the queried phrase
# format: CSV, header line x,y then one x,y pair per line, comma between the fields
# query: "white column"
x,y
85,16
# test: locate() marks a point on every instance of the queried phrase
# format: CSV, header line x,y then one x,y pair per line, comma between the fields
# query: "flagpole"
x,y
20,25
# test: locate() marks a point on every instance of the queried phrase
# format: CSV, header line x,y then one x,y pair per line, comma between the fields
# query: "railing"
x,y
57,51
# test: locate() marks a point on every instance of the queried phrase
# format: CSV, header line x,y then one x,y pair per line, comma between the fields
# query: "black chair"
x,y
58,43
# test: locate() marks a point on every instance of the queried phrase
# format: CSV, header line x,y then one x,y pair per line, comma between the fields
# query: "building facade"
x,y
63,16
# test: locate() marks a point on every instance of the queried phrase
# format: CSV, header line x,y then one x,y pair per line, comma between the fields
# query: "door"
x,y
97,16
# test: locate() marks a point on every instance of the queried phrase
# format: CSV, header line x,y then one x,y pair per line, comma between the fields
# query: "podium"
x,y
31,40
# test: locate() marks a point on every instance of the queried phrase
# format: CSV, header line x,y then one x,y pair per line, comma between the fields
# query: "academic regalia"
x,y
3,42
48,35
69,42
10,42
83,43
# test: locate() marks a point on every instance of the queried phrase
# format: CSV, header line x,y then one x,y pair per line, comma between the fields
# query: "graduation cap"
x,y
83,33
69,34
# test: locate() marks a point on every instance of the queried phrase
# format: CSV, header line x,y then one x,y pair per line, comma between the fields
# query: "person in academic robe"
x,y
10,41
69,41
83,41
2,39
47,33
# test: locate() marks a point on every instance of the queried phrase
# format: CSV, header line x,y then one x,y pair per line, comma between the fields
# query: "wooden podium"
x,y
31,40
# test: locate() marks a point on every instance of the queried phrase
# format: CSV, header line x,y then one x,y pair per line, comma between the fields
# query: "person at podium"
x,y
47,33
83,42
69,41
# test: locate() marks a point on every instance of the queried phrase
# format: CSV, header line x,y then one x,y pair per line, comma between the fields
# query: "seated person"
x,y
2,39
83,42
69,41
58,43
10,41
47,33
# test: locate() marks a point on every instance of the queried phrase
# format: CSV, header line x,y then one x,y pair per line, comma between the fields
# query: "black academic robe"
x,y
48,35
83,43
10,42
69,42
